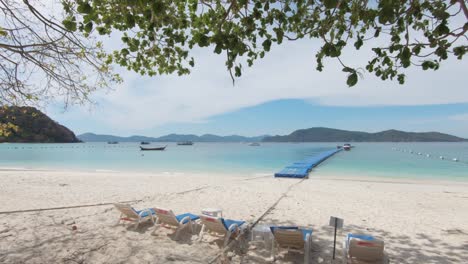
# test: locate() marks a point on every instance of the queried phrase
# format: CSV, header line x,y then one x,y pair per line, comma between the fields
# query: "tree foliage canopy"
x,y
41,58
158,34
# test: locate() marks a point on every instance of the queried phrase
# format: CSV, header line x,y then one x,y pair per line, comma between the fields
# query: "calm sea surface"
x,y
366,159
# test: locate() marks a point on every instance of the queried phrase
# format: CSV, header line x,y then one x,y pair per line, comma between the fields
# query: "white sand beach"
x,y
420,221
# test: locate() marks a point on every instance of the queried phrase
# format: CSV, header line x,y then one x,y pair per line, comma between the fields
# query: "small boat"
x,y
157,148
112,142
144,143
347,146
185,143
339,147
254,144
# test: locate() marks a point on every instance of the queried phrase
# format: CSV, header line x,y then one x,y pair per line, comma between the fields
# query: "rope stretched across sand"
x,y
267,211
66,207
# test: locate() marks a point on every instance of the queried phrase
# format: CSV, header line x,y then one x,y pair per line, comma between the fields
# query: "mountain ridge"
x,y
323,134
314,134
24,124
91,137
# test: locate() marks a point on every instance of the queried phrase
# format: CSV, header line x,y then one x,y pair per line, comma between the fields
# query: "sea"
x,y
391,160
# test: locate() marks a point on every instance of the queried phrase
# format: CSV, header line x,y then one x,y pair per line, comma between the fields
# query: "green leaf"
x,y
238,71
218,49
88,27
69,24
401,78
358,43
266,44
279,35
3,33
352,79
84,8
330,3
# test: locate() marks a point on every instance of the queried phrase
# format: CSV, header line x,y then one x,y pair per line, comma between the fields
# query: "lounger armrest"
x,y
186,219
150,214
143,211
233,227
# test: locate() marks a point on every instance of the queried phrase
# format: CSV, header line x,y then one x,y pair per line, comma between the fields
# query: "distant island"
x,y
90,137
315,134
29,125
323,134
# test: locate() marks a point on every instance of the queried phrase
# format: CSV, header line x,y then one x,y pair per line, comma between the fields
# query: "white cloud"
x,y
287,72
459,117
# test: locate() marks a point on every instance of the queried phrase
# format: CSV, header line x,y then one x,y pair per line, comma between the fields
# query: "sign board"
x,y
336,222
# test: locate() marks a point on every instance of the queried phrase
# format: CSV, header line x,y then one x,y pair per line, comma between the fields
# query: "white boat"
x,y
185,143
254,144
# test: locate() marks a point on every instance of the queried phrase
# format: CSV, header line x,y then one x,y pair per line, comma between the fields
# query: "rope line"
x,y
265,213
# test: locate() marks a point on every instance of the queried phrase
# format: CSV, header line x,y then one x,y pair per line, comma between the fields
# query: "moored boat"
x,y
347,146
156,148
185,143
254,144
112,142
144,143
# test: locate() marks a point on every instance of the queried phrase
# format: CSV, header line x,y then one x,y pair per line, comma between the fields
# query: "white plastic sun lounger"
x,y
218,225
166,217
128,213
363,249
293,239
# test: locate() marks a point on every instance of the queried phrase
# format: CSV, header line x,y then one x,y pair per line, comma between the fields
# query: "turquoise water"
x,y
366,159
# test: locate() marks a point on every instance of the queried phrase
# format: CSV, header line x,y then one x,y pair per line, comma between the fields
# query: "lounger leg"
x,y
307,250
156,227
226,239
200,236
273,250
177,233
120,219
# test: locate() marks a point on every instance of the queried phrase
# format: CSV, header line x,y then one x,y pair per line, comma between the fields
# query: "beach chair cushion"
x,y
305,232
182,216
145,212
364,247
228,222
361,237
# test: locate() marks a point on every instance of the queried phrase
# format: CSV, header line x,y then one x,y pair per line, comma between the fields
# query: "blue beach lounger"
x,y
225,227
292,238
166,217
363,248
128,213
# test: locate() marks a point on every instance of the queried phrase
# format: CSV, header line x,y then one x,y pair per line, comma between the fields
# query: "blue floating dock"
x,y
302,168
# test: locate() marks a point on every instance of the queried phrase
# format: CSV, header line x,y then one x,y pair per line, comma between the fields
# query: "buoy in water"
x,y
455,159
419,153
442,157
428,155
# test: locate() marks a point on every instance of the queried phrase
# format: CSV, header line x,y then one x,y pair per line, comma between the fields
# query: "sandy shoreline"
x,y
421,221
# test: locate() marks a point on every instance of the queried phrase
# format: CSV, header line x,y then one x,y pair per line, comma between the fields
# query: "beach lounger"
x,y
165,217
291,238
128,213
363,249
226,227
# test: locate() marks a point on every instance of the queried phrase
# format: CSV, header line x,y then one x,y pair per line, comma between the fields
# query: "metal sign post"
x,y
337,223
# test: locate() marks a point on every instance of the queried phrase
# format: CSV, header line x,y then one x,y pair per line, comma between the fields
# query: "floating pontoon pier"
x,y
302,168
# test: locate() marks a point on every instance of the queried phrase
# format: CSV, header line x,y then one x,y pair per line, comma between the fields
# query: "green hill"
x,y
323,134
29,125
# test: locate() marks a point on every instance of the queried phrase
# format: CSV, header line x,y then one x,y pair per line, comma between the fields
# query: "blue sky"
x,y
285,116
281,93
